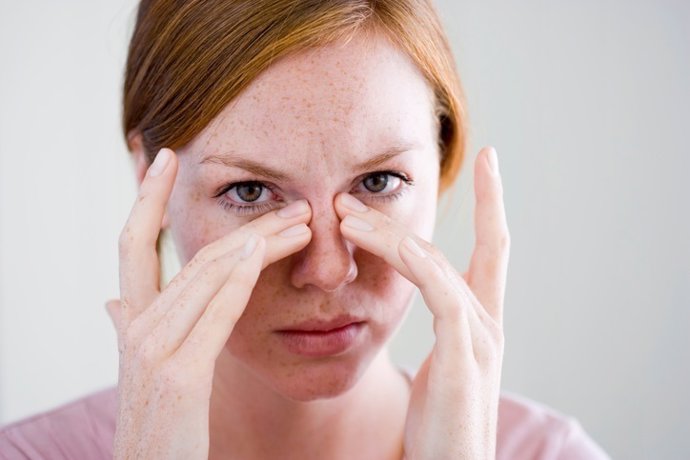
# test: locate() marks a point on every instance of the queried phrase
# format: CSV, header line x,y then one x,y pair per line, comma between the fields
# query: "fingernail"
x,y
295,230
357,223
492,159
294,209
159,163
414,247
353,203
249,247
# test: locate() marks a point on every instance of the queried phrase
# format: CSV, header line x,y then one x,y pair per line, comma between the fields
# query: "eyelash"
x,y
243,210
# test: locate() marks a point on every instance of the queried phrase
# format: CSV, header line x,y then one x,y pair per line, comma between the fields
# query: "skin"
x,y
189,351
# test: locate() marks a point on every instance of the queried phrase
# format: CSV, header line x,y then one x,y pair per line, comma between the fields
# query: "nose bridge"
x,y
327,261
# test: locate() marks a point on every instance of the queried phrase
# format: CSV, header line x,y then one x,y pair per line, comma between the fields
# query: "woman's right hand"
x,y
169,341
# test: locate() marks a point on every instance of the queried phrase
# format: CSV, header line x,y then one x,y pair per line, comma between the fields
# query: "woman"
x,y
300,147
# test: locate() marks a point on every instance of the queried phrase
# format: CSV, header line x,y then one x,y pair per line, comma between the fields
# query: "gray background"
x,y
587,104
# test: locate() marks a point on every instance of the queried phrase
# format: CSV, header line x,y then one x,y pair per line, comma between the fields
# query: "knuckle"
x,y
133,333
148,353
129,340
452,312
489,352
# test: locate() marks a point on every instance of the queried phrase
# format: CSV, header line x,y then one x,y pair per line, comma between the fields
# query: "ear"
x,y
141,162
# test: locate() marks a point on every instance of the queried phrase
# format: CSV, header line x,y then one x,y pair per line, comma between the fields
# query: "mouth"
x,y
321,338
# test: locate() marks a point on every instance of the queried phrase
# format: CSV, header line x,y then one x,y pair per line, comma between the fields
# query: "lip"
x,y
322,325
319,338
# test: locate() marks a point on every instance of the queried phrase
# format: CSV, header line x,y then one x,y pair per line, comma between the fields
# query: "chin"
x,y
321,381
308,380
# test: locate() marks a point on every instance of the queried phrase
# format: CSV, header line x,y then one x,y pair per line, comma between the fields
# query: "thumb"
x,y
114,309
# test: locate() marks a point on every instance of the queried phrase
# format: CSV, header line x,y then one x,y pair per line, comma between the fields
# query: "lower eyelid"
x,y
242,210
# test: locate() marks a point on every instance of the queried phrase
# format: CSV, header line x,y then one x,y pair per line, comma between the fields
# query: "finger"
x,y
452,310
181,316
212,331
139,264
173,329
372,231
379,234
114,309
489,263
288,222
285,233
461,325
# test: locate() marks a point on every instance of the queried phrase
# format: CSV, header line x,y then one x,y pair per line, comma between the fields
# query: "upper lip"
x,y
322,325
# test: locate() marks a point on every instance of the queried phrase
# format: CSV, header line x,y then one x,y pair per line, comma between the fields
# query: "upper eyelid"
x,y
229,186
399,174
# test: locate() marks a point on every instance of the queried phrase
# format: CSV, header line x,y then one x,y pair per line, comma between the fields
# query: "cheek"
x,y
385,291
196,221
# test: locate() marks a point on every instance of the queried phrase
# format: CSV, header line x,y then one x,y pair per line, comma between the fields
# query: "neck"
x,y
249,420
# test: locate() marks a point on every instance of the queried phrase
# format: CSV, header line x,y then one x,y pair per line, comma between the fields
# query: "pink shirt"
x,y
84,429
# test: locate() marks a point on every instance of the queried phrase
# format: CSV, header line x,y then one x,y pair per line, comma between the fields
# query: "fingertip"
x,y
487,183
349,203
160,162
492,160
340,208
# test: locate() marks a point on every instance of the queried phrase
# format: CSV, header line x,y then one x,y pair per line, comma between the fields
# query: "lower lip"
x,y
320,344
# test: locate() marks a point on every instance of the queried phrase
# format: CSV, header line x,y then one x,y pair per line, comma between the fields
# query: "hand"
x,y
169,340
453,408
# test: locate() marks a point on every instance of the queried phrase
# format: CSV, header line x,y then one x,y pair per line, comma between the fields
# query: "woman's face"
x,y
315,119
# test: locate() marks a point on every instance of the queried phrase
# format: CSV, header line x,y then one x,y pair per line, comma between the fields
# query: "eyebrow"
x,y
231,160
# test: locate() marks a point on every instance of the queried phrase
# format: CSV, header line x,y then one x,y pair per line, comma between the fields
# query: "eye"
x,y
381,182
249,192
244,198
384,185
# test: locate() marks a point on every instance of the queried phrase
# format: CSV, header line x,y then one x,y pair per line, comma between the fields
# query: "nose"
x,y
327,261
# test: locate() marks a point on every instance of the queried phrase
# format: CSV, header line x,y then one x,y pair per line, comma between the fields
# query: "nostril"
x,y
352,274
325,264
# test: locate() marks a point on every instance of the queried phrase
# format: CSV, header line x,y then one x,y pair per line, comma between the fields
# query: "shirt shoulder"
x,y
531,430
84,428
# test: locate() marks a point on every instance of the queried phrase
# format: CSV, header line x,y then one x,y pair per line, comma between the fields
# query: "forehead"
x,y
347,98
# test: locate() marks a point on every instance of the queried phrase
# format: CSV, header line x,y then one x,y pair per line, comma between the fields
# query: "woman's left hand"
x,y
453,408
